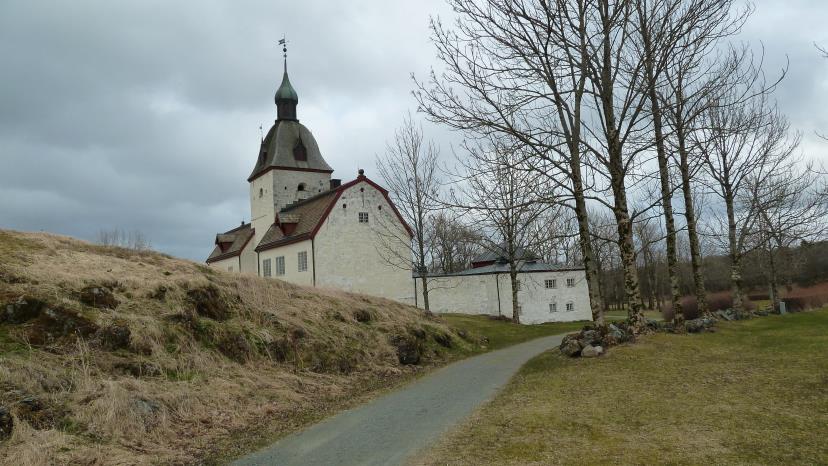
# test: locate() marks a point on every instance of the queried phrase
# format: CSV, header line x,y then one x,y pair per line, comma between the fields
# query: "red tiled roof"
x,y
312,213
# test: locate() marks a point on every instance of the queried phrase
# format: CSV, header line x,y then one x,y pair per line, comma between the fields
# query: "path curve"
x,y
394,427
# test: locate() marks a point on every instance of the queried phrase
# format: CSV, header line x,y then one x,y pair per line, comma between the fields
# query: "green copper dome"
x,y
286,91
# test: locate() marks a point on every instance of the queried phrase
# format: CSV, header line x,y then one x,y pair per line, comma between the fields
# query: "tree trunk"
x,y
591,267
514,281
424,281
664,175
735,256
690,216
627,249
774,279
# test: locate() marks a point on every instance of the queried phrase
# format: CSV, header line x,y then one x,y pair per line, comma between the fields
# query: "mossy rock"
x,y
22,310
56,323
98,296
409,349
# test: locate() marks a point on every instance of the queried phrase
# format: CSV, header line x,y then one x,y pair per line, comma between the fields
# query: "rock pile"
x,y
593,339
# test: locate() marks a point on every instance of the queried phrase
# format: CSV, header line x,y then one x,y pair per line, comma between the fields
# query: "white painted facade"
x,y
290,254
352,255
490,294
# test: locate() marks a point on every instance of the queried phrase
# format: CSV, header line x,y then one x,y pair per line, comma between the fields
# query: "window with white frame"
x,y
553,306
570,282
570,306
363,217
266,268
550,284
303,261
280,265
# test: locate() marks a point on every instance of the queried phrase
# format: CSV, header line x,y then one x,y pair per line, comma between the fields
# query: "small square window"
x,y
303,261
553,307
363,217
266,268
570,282
570,306
280,265
550,284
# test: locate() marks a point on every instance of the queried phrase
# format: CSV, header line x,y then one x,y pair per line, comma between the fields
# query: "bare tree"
x,y
792,207
505,199
409,168
520,68
668,29
453,244
133,239
744,143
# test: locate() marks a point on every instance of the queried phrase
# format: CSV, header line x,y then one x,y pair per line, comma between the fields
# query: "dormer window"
x,y
300,153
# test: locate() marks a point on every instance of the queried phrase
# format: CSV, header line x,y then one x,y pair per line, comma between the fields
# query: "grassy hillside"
x,y
754,392
110,356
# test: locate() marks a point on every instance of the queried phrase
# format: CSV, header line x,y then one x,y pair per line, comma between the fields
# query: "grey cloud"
x,y
145,114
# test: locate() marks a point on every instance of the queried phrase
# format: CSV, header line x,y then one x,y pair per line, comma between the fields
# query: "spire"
x,y
286,97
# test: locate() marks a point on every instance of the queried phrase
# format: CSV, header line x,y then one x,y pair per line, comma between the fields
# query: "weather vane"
x,y
283,43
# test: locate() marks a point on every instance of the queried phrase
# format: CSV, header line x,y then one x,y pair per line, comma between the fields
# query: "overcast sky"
x,y
144,115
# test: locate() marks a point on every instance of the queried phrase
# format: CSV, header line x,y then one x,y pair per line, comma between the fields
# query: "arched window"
x,y
301,187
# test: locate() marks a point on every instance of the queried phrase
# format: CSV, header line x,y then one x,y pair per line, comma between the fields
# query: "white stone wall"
x,y
262,209
230,264
291,254
277,189
478,294
354,256
286,184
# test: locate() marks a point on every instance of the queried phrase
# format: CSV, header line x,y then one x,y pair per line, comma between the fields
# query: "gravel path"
x,y
395,426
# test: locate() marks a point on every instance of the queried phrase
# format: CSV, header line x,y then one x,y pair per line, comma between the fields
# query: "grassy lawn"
x,y
503,333
755,392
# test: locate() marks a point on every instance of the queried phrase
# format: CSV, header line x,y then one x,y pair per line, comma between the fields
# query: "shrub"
x,y
803,302
715,302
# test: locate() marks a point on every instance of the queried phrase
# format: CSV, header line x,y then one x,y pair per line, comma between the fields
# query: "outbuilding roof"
x,y
231,243
501,267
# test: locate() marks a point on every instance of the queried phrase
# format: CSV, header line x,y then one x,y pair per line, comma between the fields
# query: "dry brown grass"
x,y
187,389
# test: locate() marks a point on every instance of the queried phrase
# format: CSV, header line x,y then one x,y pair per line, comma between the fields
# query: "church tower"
x,y
289,167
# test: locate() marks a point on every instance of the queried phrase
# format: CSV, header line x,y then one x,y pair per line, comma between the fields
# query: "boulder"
x,y
22,310
408,349
590,336
699,325
590,351
99,297
6,423
442,339
55,323
570,346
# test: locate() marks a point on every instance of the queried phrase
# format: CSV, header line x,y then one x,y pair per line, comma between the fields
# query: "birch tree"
x,y
409,168
520,68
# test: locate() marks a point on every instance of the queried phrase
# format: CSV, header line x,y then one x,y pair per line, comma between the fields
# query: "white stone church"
x,y
310,229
